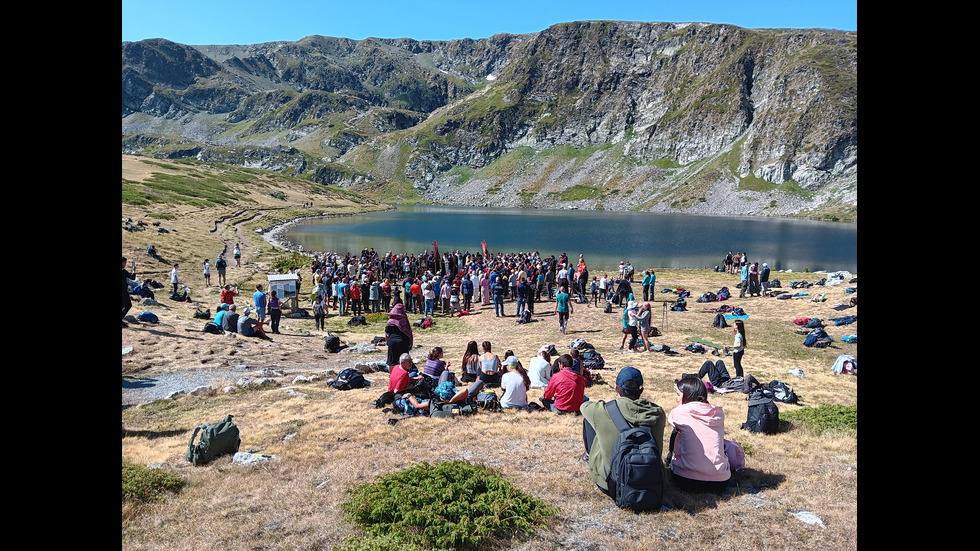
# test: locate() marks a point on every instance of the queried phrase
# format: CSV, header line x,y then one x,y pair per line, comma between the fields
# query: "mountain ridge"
x,y
659,117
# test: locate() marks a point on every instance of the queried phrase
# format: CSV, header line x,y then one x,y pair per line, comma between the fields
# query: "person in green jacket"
x,y
649,280
603,432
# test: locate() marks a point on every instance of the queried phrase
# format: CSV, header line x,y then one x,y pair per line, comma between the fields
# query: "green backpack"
x,y
216,439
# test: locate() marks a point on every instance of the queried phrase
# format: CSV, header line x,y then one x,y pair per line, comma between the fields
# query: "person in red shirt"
x,y
566,389
399,381
355,298
228,295
416,291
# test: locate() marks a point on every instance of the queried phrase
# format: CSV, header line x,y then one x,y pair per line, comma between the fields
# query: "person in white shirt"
x,y
539,369
514,385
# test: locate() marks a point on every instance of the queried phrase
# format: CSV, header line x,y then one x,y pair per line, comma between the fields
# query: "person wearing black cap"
x,y
600,431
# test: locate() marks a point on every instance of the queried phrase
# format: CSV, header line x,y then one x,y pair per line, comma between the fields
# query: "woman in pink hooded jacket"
x,y
697,444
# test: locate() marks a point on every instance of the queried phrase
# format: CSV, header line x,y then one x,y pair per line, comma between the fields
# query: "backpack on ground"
x,y
635,473
525,317
487,401
357,320
331,343
719,320
210,327
763,415
608,308
148,317
782,392
592,359
216,439
348,379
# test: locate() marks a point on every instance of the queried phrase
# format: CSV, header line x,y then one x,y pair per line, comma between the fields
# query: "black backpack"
x,y
216,439
719,320
782,392
608,308
210,327
763,414
591,359
331,343
635,477
348,379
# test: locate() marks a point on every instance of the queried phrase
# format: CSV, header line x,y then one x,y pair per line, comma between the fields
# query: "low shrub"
x,y
144,484
448,505
825,418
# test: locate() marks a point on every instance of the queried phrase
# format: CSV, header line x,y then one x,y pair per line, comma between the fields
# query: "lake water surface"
x,y
605,238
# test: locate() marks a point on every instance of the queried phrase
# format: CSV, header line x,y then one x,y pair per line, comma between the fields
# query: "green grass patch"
x,y
290,261
826,418
447,505
577,193
146,485
664,163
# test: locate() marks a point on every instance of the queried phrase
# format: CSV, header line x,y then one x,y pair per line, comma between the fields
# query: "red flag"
x,y
485,253
436,247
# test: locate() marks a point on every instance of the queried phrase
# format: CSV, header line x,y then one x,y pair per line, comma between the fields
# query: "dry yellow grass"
x,y
329,441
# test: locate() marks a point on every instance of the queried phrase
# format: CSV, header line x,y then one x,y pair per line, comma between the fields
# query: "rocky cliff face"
x,y
617,115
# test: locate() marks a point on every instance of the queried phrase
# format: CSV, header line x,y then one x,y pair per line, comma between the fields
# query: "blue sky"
x,y
251,21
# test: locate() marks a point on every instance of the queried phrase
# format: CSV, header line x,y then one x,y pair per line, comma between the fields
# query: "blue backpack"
x,y
148,317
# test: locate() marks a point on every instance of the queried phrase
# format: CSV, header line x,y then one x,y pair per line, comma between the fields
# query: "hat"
x,y
511,361
629,374
248,310
223,306
631,304
544,348
764,265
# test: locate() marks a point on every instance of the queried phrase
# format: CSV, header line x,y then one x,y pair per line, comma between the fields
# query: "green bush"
x,y
448,505
290,261
144,484
825,418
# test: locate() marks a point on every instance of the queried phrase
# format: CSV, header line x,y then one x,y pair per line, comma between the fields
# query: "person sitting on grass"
x,y
230,322
600,431
566,389
250,327
400,381
696,455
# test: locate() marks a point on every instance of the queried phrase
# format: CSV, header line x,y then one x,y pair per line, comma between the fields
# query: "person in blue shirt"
x,y
563,307
222,310
260,302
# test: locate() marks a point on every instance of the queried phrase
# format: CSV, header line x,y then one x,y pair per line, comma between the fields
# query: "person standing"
x,y
259,298
207,272
275,311
499,288
237,253
221,264
523,290
227,295
738,348
466,287
764,278
754,279
319,313
745,280
127,302
174,278
563,307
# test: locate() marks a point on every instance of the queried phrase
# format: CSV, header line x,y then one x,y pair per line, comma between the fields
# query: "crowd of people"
x,y
452,284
